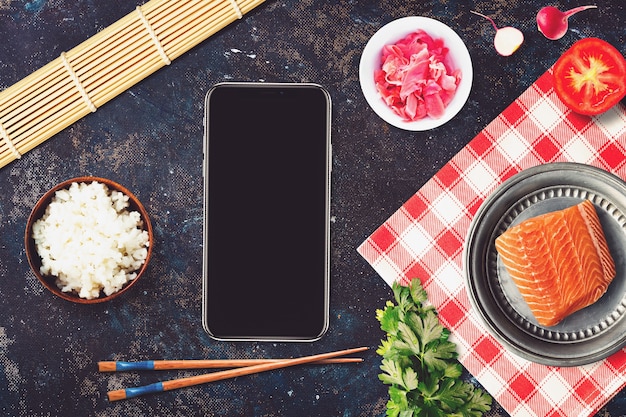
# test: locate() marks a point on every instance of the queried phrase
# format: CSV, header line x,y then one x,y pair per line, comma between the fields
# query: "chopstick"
x,y
126,393
162,365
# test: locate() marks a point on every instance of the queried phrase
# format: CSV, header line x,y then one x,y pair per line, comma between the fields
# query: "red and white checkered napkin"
x,y
425,239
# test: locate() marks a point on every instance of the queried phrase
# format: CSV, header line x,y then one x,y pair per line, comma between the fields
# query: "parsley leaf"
x,y
419,362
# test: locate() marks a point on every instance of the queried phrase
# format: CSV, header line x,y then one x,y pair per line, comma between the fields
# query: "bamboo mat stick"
x,y
84,78
122,394
169,365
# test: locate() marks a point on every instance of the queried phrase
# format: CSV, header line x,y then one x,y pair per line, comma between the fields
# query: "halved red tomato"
x,y
590,77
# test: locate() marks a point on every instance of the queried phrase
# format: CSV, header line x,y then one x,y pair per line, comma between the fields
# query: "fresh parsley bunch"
x,y
419,362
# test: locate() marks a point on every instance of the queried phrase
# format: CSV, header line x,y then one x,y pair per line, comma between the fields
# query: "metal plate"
x,y
586,336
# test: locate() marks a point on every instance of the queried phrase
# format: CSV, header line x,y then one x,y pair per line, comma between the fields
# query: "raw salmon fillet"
x,y
560,261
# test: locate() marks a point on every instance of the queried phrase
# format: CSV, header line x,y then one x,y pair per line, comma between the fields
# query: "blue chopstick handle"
x,y
146,389
134,366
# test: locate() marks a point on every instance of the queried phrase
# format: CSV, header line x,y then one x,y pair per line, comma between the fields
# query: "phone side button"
x,y
330,160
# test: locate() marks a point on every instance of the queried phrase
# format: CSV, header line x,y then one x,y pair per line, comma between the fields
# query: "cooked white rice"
x,y
89,241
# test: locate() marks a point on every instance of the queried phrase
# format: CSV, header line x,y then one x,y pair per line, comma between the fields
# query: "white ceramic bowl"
x,y
392,33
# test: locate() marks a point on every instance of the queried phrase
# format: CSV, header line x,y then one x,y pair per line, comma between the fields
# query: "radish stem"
x,y
486,17
578,9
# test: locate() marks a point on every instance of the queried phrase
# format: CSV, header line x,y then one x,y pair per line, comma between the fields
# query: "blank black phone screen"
x,y
267,197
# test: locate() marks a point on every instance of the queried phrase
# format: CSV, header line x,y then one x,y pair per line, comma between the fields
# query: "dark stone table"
x,y
150,140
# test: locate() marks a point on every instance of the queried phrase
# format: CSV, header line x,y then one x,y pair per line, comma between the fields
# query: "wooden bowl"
x,y
34,259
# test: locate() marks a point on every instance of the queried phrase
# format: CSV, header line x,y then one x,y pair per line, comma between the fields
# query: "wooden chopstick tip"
x,y
116,395
106,366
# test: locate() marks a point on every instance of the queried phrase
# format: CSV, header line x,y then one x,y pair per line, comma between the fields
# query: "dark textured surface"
x,y
150,140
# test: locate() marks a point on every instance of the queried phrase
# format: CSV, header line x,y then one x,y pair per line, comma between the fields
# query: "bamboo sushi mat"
x,y
425,237
87,76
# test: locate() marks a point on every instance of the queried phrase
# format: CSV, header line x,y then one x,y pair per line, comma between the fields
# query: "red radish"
x,y
507,40
553,23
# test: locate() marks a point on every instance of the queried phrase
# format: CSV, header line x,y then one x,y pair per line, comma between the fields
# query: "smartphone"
x,y
267,163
